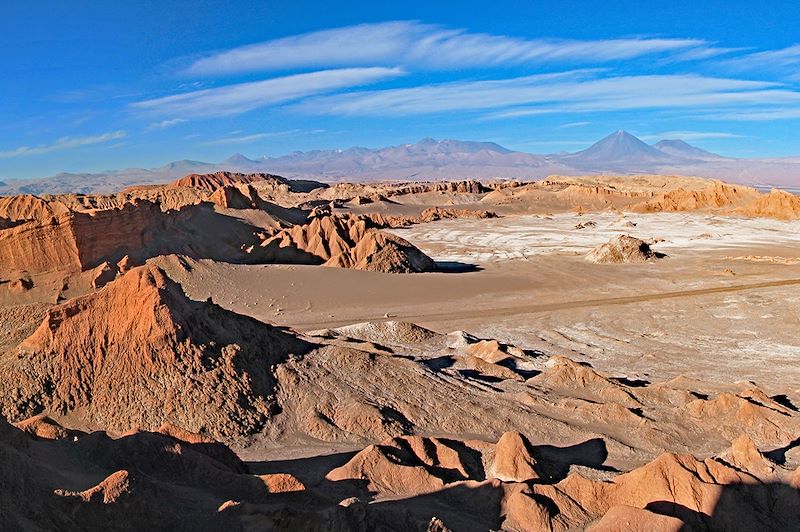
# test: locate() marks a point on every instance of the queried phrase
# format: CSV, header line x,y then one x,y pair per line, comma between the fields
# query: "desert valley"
x,y
250,352
392,267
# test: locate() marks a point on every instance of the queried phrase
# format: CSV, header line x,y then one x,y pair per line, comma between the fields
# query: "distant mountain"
x,y
456,146
184,167
237,160
431,159
618,150
680,148
427,159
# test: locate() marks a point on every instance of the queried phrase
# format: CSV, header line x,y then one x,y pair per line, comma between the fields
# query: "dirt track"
x,y
549,307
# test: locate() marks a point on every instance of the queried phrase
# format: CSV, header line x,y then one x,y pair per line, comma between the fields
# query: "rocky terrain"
x,y
247,352
346,243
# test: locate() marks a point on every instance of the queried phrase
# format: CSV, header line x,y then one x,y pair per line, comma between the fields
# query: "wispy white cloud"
x,y
64,143
247,139
691,135
243,139
411,43
754,115
243,97
575,91
701,53
164,124
574,124
786,60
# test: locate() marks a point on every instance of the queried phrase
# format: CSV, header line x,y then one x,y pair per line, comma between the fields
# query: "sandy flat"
x,y
685,314
520,237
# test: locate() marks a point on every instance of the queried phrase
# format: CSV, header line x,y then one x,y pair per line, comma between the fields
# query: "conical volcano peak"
x,y
618,147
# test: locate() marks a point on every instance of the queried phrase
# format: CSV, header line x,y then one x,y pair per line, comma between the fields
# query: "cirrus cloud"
x,y
574,91
782,61
429,46
242,97
63,143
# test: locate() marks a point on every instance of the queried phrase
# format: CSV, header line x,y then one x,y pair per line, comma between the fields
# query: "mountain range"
x,y
430,159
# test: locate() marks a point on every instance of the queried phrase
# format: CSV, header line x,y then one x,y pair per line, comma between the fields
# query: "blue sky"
x,y
93,85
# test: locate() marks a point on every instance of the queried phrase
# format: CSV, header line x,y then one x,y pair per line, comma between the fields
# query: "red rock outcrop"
x,y
42,426
717,195
392,468
111,490
345,243
27,207
468,186
40,247
340,394
147,480
777,204
701,493
78,241
673,492
138,353
212,182
234,197
282,483
409,465
623,518
513,460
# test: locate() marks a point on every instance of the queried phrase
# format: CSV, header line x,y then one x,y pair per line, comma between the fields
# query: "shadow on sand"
x,y
456,267
745,507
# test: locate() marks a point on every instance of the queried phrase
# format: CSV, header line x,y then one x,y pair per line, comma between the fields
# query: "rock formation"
x,y
431,214
26,207
234,197
715,196
622,249
212,182
138,353
777,204
138,481
168,363
345,243
79,241
673,492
